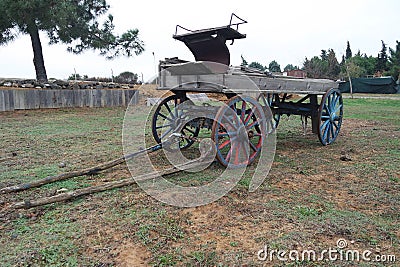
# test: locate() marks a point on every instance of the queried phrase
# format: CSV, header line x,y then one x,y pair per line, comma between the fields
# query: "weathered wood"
x,y
6,100
188,78
27,204
68,175
60,177
53,98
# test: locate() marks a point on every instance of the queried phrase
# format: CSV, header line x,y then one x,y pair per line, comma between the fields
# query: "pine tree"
x,y
290,67
394,61
349,54
333,65
324,55
382,62
274,66
74,23
256,65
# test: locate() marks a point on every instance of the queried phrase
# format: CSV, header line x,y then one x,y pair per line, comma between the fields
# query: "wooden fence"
x,y
46,98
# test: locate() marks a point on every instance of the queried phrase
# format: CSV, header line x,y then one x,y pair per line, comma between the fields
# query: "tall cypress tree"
x,y
382,61
349,54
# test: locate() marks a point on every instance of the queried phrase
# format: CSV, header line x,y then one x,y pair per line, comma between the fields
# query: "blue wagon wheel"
x,y
271,100
330,116
238,131
167,119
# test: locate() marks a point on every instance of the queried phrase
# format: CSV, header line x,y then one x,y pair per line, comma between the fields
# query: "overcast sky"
x,y
285,31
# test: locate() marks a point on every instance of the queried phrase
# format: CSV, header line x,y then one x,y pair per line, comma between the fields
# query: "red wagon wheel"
x,y
238,131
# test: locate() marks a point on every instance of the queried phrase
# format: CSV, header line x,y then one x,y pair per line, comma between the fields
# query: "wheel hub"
x,y
242,134
333,117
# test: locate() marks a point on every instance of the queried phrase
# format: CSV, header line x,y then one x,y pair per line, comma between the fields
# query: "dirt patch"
x,y
132,255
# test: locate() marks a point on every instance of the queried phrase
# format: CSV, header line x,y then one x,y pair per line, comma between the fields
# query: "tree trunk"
x,y
38,60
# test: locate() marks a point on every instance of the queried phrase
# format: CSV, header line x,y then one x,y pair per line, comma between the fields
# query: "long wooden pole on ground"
x,y
27,204
68,175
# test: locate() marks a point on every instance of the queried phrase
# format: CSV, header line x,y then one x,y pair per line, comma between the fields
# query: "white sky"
x,y
286,31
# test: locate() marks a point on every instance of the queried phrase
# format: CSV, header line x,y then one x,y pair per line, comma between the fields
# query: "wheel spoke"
x,y
236,159
246,121
253,146
337,99
169,110
189,130
223,134
338,108
336,126
328,105
164,134
228,156
326,131
227,121
175,109
165,117
332,131
243,110
246,153
255,123
224,144
163,126
324,125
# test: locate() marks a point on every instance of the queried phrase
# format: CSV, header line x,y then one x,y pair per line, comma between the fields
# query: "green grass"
x,y
383,110
310,198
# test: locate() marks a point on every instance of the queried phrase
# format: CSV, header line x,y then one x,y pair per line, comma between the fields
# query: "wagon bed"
x,y
209,77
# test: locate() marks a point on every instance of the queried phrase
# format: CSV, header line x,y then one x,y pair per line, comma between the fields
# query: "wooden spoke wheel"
x,y
330,115
271,100
238,131
168,118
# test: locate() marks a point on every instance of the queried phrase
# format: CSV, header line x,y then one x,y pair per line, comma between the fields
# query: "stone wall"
x,y
61,84
17,99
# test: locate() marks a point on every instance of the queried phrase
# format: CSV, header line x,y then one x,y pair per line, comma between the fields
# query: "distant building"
x,y
297,73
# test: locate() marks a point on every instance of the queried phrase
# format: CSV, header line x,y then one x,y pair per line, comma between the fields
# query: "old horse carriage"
x,y
255,100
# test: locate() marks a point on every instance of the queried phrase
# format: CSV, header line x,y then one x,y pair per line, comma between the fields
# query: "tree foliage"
x,y
360,66
316,67
274,66
257,65
394,61
71,22
333,66
127,77
290,67
382,62
349,54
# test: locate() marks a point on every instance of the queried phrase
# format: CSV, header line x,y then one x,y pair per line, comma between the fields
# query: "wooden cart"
x,y
256,100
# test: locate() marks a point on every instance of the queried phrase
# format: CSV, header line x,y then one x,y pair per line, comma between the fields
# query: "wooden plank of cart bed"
x,y
279,85
192,89
246,91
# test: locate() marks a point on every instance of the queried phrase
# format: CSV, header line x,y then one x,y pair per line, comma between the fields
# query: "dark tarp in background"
x,y
383,85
